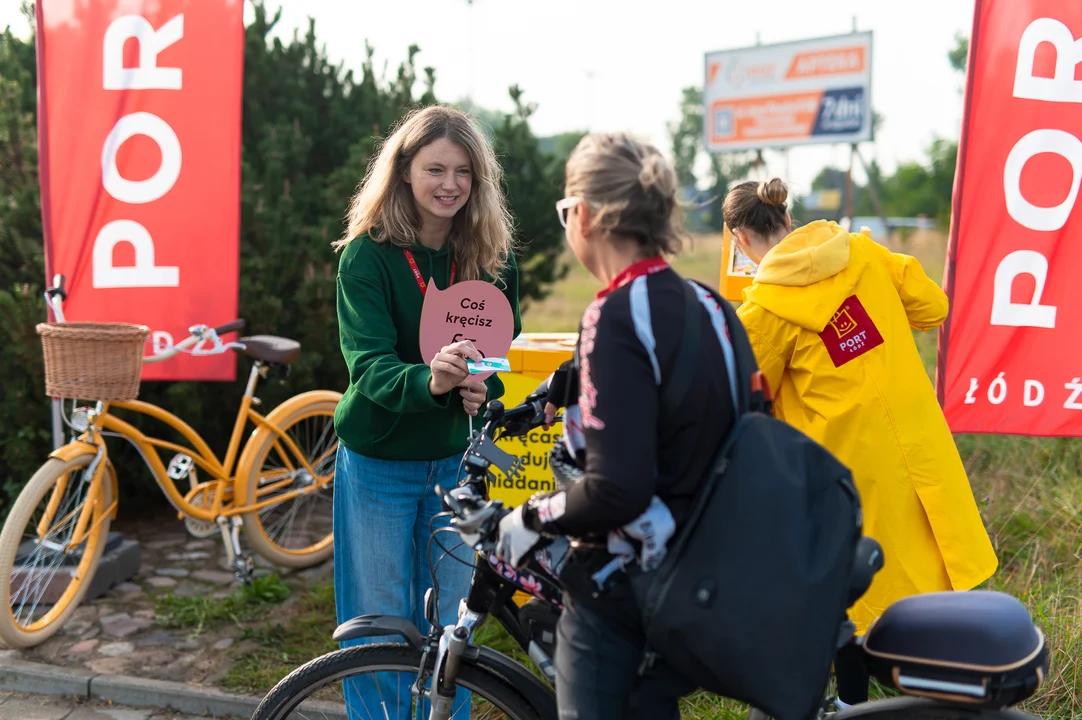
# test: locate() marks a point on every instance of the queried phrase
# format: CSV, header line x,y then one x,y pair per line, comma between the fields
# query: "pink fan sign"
x,y
470,310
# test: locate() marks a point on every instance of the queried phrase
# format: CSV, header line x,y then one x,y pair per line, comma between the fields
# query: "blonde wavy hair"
x,y
384,209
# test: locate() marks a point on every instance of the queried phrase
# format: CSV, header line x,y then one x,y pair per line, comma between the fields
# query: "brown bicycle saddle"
x,y
271,349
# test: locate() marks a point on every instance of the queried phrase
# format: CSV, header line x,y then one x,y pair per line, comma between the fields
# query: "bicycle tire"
x,y
913,708
909,708
308,405
296,687
33,494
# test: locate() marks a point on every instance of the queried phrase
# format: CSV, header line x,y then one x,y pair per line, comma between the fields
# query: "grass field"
x,y
1029,491
561,310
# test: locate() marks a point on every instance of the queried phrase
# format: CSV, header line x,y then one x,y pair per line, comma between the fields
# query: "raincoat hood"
x,y
807,276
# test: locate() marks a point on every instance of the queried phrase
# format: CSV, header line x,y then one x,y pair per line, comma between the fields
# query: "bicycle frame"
x,y
491,591
223,472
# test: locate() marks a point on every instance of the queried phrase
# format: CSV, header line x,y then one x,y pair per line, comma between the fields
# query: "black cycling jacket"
x,y
628,342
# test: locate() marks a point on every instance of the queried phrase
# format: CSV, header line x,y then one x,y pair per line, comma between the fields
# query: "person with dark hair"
x,y
628,465
830,316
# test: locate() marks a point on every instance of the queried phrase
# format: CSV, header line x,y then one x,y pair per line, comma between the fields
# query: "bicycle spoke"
x,y
324,455
36,580
287,518
44,577
305,519
55,536
55,557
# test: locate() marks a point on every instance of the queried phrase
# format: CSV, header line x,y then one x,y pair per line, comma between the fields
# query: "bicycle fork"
x,y
453,643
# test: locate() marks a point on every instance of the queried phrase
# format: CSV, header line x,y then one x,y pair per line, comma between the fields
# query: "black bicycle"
x,y
433,667
966,657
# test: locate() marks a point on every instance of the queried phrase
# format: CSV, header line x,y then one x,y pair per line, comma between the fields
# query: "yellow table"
x,y
533,357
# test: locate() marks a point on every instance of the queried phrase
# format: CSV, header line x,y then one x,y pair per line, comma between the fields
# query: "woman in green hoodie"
x,y
429,208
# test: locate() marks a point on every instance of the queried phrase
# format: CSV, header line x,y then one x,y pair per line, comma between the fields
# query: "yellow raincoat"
x,y
829,317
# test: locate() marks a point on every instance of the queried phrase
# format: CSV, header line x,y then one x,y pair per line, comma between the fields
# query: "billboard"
x,y
796,93
139,118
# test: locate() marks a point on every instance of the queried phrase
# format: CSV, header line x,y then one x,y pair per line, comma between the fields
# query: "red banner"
x,y
1011,350
139,111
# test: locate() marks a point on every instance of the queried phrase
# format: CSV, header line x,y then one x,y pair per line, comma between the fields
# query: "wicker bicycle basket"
x,y
93,361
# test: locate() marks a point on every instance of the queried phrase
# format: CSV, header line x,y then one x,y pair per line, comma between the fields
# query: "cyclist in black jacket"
x,y
629,473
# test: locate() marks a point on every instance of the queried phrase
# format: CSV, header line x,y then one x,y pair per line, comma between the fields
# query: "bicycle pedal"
x,y
179,466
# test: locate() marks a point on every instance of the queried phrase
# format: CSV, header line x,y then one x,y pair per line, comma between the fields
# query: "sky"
x,y
621,64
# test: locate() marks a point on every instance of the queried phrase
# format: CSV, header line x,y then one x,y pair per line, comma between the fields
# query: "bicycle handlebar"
x,y
476,518
56,295
170,352
198,334
235,326
58,287
520,419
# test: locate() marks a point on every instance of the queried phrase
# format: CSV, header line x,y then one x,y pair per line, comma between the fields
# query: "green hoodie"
x,y
387,411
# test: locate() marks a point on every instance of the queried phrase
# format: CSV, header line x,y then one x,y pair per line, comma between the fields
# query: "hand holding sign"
x,y
472,311
449,366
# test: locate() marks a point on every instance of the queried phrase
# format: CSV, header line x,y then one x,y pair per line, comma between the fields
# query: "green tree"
x,y
926,188
309,128
23,408
959,54
914,188
533,182
688,147
488,119
560,147
687,136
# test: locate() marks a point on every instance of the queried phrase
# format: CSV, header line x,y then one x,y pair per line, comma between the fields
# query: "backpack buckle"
x,y
762,397
649,660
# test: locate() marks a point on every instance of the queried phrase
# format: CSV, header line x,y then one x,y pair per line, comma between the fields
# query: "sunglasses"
x,y
563,207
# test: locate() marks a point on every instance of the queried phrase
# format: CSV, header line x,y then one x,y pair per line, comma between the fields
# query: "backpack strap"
x,y
683,371
752,388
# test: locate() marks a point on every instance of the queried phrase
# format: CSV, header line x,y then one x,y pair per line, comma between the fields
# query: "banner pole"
x,y
58,425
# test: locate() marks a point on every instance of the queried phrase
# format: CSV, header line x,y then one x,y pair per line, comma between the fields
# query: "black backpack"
x,y
751,598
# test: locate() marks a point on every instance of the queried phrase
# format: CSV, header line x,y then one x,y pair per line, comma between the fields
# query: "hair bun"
x,y
773,192
655,173
631,189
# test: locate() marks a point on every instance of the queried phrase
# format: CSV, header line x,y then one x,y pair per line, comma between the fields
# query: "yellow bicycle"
x,y
276,486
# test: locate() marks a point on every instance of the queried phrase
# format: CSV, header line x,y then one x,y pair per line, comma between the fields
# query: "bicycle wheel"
x,y
49,577
312,683
297,532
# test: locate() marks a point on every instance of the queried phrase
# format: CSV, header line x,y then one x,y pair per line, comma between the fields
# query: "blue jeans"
x,y
382,514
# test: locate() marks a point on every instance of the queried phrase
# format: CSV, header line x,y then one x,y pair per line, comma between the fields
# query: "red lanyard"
x,y
417,272
649,266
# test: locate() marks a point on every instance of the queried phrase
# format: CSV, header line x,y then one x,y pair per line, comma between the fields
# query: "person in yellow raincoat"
x,y
829,315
